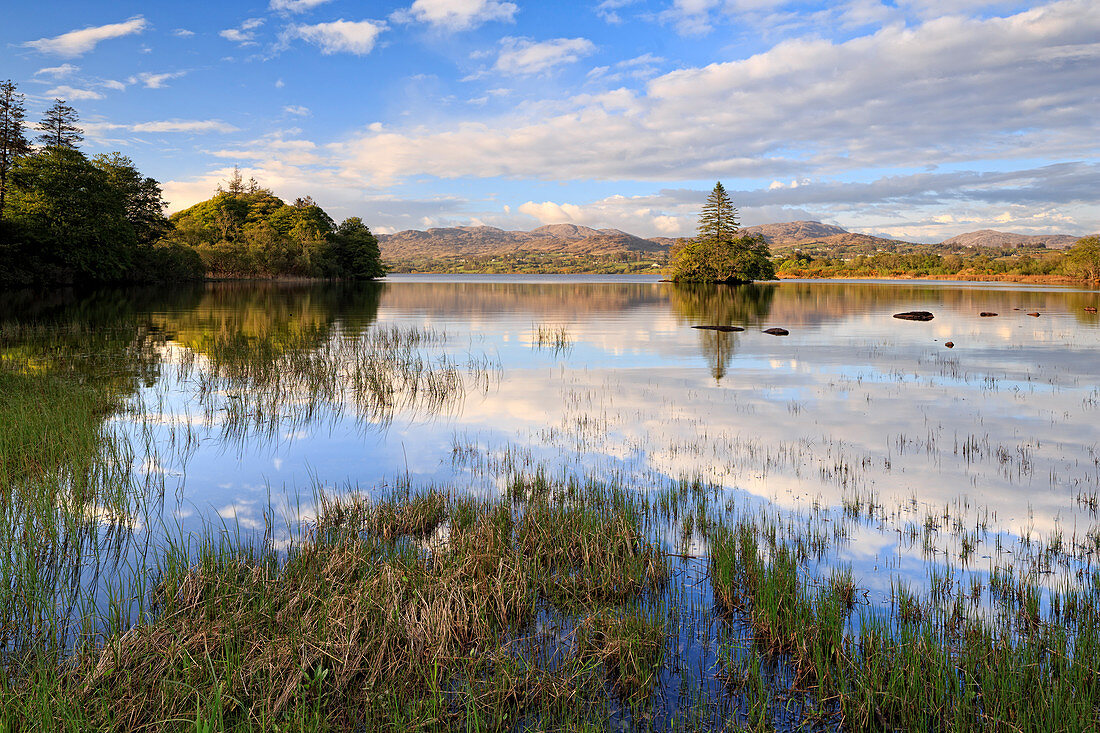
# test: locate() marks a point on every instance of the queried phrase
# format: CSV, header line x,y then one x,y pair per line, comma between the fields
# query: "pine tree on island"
x,y
718,254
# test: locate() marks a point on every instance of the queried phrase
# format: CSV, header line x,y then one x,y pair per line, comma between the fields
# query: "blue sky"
x,y
916,119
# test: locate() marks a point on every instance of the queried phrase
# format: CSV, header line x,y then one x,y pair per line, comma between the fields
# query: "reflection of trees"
x,y
269,319
700,304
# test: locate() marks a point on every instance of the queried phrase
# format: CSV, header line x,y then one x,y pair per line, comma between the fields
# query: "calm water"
x,y
606,376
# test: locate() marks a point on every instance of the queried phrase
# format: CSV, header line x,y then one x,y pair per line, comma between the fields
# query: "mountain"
x,y
993,238
794,232
482,241
810,236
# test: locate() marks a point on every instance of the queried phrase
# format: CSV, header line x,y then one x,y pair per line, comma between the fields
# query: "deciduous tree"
x,y
141,196
1083,259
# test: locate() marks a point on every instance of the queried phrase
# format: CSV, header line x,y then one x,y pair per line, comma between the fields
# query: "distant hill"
x,y
787,233
489,241
811,236
993,238
793,232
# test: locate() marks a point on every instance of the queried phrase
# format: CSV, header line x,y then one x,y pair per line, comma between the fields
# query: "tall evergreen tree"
x,y
718,219
59,128
13,142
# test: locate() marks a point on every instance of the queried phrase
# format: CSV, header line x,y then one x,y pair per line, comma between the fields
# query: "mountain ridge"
x,y
487,241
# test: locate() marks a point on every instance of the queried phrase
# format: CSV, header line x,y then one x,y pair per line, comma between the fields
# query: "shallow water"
x,y
606,376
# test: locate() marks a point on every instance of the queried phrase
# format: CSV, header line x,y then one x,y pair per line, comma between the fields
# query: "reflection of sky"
x,y
853,401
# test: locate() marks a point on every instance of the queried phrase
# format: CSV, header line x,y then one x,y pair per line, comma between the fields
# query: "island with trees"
x,y
718,254
66,218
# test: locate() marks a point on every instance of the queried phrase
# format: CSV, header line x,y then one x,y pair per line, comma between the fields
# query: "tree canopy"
x,y
718,254
1083,259
65,218
245,230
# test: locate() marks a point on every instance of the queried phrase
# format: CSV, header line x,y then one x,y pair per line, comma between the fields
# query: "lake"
x,y
865,438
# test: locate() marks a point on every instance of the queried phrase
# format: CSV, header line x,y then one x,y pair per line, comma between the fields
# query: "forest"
x,y
66,218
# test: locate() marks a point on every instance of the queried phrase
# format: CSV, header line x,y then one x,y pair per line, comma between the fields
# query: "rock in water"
x,y
1035,315
915,316
949,344
987,314
777,331
1089,309
723,329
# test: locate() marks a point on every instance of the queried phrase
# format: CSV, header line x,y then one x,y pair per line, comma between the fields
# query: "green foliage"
x,y
939,261
355,251
247,231
73,221
718,254
1083,259
13,143
69,219
59,128
142,202
740,260
718,219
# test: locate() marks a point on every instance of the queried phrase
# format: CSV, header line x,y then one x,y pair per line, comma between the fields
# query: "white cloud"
x,y
115,84
182,33
76,43
297,110
58,71
184,126
236,35
549,212
608,10
341,36
155,81
949,90
244,33
70,93
522,56
295,6
646,216
691,17
456,15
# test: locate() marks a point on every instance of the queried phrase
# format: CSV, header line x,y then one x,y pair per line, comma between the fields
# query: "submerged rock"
x,y
987,314
777,331
723,329
915,316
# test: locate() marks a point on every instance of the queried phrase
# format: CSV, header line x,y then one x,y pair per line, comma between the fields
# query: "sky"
x,y
914,119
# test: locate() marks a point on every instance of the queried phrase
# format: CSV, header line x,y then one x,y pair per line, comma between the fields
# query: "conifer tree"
x,y
718,219
13,142
59,128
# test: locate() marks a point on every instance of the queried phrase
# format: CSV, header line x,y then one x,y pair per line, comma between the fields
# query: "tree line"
x,y
1079,262
69,218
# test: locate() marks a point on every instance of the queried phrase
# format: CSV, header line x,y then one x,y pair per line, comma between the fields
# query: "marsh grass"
x,y
579,602
555,339
358,627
